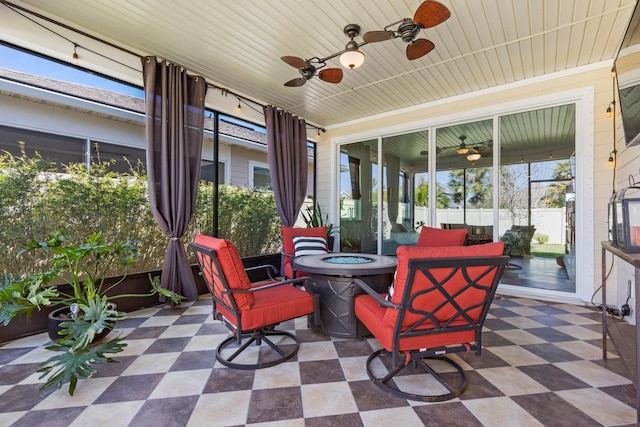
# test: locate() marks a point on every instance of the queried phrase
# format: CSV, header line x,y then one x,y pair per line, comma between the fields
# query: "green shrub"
x,y
249,218
541,238
36,200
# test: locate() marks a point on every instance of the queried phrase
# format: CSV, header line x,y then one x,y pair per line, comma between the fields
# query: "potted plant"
x,y
75,280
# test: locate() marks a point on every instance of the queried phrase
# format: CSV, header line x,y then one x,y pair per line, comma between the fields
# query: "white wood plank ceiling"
x,y
238,45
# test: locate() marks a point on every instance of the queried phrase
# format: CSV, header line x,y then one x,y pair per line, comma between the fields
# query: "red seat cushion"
x,y
372,315
232,269
438,237
288,247
276,305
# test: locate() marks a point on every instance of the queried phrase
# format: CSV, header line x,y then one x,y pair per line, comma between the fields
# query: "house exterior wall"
x,y
594,125
27,114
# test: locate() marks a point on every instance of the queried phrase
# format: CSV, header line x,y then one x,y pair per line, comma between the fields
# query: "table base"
x,y
337,301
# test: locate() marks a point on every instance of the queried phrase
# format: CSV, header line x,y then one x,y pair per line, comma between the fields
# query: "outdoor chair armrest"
x,y
368,289
271,270
271,285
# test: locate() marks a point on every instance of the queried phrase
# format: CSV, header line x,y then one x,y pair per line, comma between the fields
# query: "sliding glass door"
x,y
465,179
537,154
359,197
525,203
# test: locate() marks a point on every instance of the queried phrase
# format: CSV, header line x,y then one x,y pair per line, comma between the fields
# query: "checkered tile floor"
x,y
541,365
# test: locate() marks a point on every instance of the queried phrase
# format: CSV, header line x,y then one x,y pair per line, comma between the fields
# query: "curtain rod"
x,y
16,8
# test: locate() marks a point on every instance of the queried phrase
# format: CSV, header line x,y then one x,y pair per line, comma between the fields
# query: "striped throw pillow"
x,y
307,245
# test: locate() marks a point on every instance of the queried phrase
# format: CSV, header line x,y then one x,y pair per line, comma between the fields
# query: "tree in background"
x,y
478,186
555,193
422,195
513,196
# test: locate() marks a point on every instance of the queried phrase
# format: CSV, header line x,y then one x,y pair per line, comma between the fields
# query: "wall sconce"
x,y
610,108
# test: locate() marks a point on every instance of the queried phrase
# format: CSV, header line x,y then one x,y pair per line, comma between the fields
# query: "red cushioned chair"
x,y
438,237
289,249
440,300
250,312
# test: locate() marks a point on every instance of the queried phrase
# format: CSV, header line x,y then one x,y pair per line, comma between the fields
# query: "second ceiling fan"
x,y
310,68
429,14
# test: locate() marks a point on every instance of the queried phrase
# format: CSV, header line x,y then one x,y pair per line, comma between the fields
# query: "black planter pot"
x,y
63,314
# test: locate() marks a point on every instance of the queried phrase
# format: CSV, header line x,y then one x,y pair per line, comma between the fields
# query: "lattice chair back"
x,y
440,300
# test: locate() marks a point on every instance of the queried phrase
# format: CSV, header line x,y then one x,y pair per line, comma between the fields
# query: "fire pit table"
x,y
332,276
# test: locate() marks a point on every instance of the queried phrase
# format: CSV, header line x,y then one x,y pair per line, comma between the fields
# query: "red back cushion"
x,y
288,246
433,299
232,269
438,237
288,233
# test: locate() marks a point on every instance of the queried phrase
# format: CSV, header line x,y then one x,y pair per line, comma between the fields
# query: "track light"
x,y
74,57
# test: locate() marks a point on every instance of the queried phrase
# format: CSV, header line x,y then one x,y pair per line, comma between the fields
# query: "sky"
x,y
24,62
21,61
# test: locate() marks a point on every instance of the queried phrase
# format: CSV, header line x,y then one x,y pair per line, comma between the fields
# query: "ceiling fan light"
x,y
352,57
473,157
463,149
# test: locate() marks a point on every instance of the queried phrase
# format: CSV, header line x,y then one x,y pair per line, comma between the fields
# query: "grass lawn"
x,y
547,250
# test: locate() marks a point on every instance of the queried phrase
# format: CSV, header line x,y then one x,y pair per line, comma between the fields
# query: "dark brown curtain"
x,y
174,105
354,174
393,184
288,163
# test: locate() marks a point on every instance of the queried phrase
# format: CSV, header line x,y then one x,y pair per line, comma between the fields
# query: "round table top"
x,y
322,264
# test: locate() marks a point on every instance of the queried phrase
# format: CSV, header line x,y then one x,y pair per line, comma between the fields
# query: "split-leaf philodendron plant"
x,y
84,268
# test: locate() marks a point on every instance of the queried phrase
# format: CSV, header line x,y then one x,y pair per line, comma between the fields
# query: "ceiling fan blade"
x,y
419,48
431,13
331,75
377,36
295,82
294,61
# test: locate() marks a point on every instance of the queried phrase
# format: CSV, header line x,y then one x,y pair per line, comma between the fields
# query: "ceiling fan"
x,y
429,14
350,57
309,68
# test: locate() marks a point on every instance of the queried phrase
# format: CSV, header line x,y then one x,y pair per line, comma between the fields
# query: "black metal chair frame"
x,y
419,357
237,335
